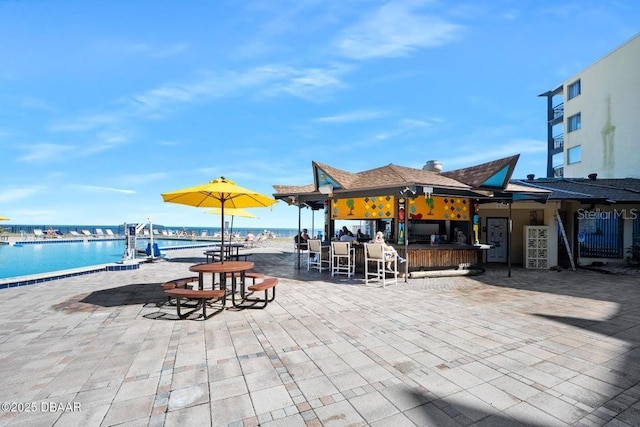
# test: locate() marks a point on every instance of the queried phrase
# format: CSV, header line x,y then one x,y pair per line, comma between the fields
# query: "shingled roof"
x,y
623,190
388,176
494,174
294,189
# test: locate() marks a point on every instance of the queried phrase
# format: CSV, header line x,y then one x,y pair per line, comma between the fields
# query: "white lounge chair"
x,y
74,233
100,233
38,234
109,232
86,233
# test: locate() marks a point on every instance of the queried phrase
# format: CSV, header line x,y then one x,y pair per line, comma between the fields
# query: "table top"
x,y
222,267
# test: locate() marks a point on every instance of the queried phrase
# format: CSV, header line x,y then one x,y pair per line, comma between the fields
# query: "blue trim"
x,y
323,179
39,242
25,282
498,179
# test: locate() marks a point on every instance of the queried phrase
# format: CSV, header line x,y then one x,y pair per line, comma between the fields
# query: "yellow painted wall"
x,y
440,208
376,207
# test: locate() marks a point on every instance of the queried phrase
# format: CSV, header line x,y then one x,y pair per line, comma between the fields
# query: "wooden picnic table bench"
x,y
265,285
201,296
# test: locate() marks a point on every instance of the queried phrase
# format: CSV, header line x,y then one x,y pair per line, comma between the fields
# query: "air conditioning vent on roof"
x,y
433,166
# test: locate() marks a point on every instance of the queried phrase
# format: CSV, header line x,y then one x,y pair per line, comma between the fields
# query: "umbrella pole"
x,y
222,233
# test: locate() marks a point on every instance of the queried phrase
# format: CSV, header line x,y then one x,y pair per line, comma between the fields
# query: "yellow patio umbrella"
x,y
233,212
220,193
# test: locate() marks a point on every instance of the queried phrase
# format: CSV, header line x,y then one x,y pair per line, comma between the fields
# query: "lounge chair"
x,y
109,232
86,233
38,234
74,233
100,233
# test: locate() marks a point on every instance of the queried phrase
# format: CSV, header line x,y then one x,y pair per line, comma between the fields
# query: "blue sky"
x,y
106,104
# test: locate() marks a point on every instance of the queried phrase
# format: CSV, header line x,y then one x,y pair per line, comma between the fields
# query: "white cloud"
x,y
395,30
44,152
352,116
19,193
106,141
270,80
100,189
86,123
119,47
140,179
491,152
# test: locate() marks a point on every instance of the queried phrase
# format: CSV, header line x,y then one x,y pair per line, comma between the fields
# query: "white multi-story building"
x,y
593,119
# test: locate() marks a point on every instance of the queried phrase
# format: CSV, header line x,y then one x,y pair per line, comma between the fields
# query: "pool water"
x,y
34,258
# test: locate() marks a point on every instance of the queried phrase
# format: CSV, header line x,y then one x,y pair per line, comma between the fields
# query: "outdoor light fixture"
x,y
326,189
408,190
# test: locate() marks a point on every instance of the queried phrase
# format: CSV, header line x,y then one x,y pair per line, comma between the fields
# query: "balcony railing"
x,y
558,111
558,141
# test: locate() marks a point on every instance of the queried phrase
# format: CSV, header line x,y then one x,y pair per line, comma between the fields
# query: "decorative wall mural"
x,y
376,207
439,208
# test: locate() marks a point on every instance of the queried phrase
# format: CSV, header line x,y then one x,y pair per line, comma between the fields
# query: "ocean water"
x,y
119,229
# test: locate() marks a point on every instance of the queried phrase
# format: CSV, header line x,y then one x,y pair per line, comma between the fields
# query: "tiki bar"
x,y
429,215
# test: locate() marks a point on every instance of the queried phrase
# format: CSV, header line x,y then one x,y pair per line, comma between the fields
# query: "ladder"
x,y
566,242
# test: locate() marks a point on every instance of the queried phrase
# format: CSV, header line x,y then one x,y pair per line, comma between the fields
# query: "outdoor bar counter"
x,y
433,257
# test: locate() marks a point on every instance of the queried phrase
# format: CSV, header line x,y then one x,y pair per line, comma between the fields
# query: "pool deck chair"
x,y
374,253
74,233
342,258
100,233
109,232
318,255
38,234
86,233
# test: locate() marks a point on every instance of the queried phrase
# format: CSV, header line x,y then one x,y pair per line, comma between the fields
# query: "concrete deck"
x,y
541,348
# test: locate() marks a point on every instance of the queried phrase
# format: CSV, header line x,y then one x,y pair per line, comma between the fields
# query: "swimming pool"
x,y
36,258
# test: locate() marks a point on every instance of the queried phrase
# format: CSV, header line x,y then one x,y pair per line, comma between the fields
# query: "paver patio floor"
x,y
539,348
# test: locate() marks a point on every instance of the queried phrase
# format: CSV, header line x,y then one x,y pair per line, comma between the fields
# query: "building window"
x,y
574,154
574,122
574,89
